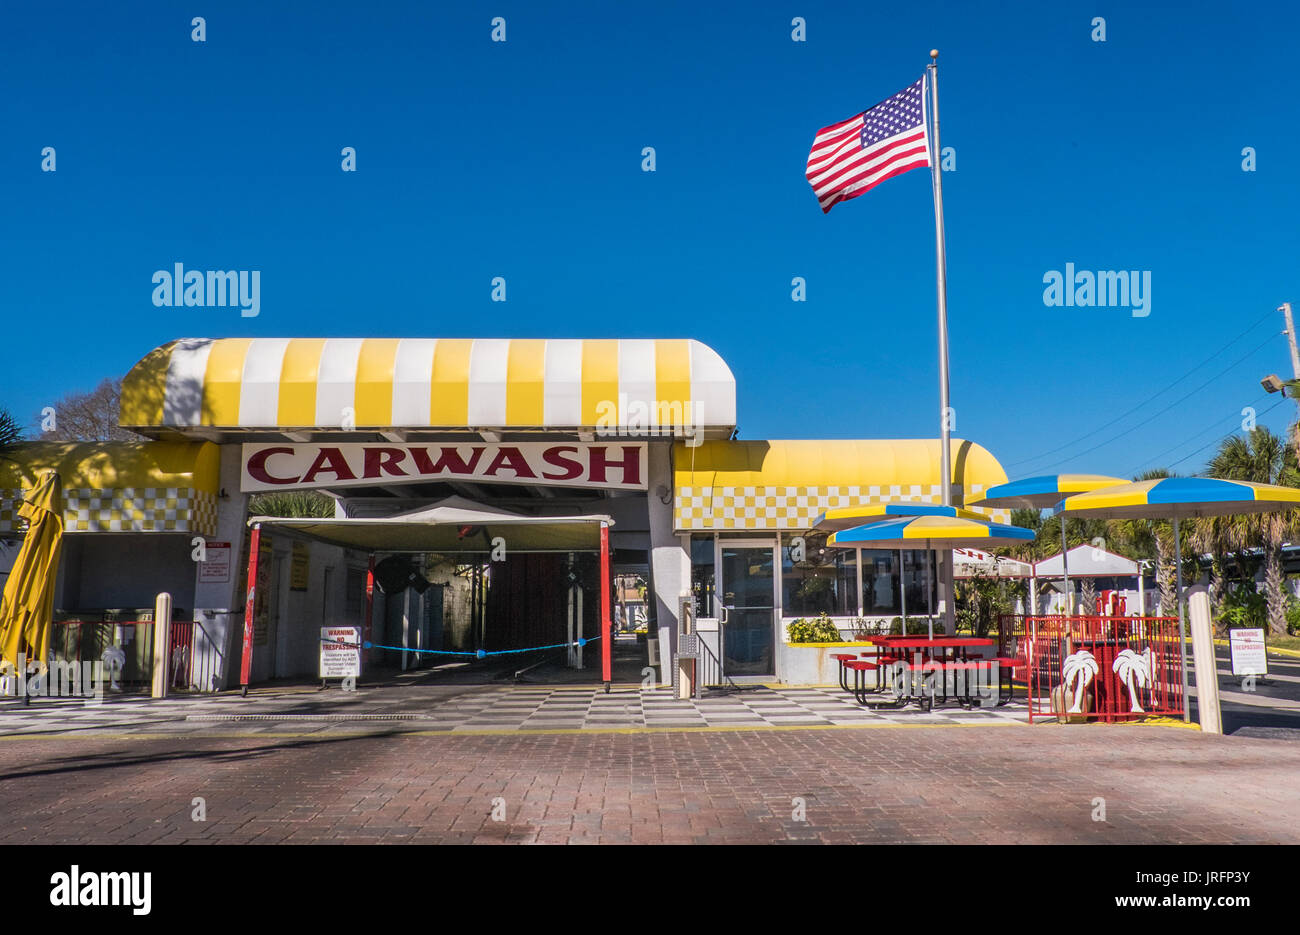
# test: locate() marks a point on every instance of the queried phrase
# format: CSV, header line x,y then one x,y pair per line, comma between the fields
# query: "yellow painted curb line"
x,y
1160,721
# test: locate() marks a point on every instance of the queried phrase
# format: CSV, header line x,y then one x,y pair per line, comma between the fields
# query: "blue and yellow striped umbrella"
x,y
1044,492
1179,498
935,533
846,517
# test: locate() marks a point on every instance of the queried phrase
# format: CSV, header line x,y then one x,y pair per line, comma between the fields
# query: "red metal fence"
x,y
1107,668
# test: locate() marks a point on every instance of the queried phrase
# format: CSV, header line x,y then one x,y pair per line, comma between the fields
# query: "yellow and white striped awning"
x,y
429,383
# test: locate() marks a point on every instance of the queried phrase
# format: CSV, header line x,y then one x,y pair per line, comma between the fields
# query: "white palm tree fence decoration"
x,y
1135,672
1078,670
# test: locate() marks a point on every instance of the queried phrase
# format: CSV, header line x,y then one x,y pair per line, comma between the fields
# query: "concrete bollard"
x,y
1207,676
162,633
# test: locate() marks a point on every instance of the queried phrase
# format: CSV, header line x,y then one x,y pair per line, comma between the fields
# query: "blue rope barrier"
x,y
477,654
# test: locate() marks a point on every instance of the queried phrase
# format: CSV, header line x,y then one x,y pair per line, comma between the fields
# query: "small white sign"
x,y
1248,652
216,568
340,652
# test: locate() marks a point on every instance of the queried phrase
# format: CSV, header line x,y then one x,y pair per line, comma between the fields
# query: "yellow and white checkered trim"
x,y
126,509
709,508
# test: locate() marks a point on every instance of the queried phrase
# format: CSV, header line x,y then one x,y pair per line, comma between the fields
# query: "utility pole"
x,y
1285,309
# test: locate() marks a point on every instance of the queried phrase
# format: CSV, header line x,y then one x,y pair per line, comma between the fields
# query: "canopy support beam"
x,y
250,602
606,647
370,605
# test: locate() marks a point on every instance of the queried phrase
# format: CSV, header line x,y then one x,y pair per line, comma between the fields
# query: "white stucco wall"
x,y
670,563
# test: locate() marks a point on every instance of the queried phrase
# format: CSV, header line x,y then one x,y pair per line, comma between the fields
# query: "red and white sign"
x,y
215,567
610,465
1248,651
340,652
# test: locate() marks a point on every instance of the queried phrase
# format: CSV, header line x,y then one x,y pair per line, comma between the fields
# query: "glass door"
x,y
749,598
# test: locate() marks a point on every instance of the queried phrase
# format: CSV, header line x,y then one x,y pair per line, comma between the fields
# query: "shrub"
x,y
916,626
1244,606
1292,617
819,630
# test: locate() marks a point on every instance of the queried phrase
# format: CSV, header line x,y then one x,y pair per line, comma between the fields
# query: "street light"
x,y
1273,384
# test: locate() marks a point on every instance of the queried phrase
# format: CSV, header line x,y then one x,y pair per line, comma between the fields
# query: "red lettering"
x,y
257,466
383,461
631,464
513,459
331,460
449,460
555,456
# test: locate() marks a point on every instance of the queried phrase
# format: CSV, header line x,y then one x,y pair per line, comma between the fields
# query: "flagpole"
x,y
941,281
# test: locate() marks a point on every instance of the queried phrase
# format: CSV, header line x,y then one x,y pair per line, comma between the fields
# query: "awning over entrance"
x,y
789,484
118,486
273,384
448,528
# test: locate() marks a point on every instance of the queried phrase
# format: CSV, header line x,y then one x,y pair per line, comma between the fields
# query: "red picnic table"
x,y
893,655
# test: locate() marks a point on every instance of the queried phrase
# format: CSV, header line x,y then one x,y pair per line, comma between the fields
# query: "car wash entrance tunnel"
x,y
459,593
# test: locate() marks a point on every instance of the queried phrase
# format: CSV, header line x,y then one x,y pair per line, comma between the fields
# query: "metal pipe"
x,y
1182,636
246,665
941,281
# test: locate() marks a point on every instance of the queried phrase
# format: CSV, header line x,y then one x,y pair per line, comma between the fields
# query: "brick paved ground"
x,y
861,785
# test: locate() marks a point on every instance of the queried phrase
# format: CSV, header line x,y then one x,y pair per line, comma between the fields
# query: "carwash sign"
x,y
568,464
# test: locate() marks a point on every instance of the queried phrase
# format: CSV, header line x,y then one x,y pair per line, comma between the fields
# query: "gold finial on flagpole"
x,y
934,53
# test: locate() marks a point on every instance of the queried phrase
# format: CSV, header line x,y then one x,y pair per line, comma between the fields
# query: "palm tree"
x,y
292,503
1262,458
1211,535
10,430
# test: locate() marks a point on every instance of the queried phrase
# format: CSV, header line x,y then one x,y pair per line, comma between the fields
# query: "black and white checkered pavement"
x,y
482,708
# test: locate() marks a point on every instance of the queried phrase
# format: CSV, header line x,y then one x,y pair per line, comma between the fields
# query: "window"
x,y
702,587
879,582
919,570
820,580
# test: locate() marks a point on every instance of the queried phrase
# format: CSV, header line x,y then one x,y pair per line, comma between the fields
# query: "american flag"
x,y
856,155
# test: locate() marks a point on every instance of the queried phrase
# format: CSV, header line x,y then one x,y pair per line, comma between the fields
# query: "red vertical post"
x,y
606,643
370,603
254,546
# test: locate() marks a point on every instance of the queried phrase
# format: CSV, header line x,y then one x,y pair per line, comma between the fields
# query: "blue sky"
x,y
523,159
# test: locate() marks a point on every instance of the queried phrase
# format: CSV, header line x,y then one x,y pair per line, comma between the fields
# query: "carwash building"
x,y
492,505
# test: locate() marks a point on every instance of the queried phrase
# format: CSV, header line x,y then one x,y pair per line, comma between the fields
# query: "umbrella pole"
x,y
1065,566
902,593
1182,636
929,592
